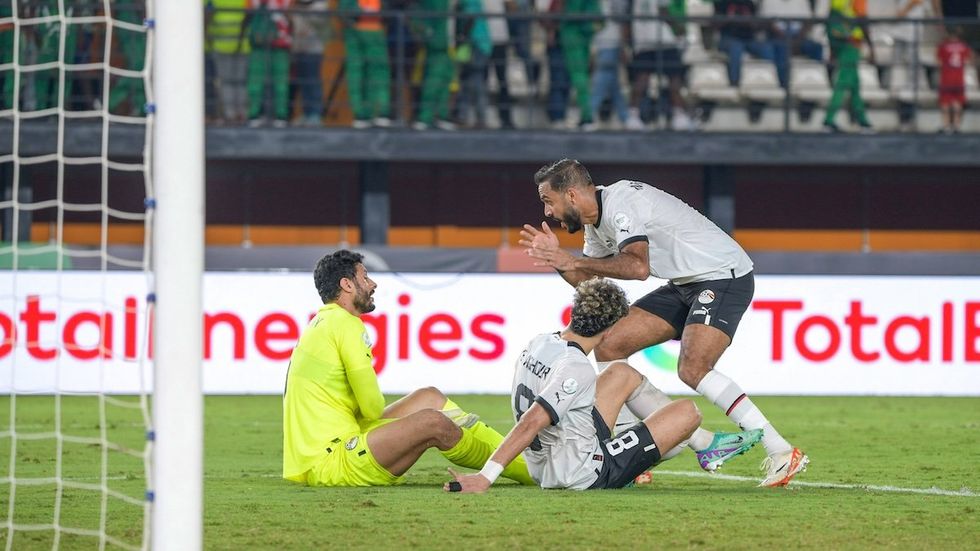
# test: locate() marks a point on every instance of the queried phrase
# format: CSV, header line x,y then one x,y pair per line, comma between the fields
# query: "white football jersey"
x,y
558,375
685,247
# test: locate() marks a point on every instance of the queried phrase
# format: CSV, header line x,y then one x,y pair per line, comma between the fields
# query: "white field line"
x,y
964,492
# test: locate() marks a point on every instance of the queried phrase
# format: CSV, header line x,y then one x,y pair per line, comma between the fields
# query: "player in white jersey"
x,y
565,413
632,231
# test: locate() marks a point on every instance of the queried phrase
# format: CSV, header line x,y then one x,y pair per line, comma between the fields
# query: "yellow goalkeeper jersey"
x,y
330,388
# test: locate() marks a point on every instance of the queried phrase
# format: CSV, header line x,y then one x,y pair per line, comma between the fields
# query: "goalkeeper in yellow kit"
x,y
336,428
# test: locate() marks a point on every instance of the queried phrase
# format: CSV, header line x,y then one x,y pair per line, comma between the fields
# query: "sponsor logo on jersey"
x,y
622,221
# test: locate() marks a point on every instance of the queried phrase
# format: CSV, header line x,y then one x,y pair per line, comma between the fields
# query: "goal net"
x,y
78,283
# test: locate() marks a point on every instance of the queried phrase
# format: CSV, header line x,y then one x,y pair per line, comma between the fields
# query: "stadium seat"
x,y
809,82
972,85
871,91
708,81
881,8
694,50
699,8
884,46
759,82
517,84
903,90
927,55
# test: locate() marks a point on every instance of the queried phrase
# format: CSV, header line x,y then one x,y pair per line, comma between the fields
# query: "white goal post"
x,y
178,261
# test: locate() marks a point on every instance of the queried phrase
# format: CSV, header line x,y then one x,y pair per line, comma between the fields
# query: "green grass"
x,y
901,442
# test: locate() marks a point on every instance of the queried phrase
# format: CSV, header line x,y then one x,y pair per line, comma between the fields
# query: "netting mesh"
x,y
75,126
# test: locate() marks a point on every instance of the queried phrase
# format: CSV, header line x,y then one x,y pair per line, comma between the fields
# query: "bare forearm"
x,y
574,277
520,437
619,266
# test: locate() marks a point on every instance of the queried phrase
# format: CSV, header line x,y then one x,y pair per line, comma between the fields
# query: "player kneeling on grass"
x,y
336,428
565,413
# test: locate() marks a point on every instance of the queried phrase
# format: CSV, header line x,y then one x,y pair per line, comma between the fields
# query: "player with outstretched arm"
x,y
565,413
633,230
336,428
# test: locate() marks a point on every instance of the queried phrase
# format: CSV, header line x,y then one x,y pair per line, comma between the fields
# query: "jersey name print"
x,y
557,375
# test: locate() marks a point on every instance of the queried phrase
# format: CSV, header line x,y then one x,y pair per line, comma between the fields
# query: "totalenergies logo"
x,y
867,338
46,332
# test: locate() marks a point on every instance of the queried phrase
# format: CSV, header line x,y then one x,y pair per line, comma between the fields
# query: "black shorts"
x,y
627,455
719,303
667,61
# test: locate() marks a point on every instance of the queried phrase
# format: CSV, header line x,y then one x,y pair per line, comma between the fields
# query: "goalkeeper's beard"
x,y
363,300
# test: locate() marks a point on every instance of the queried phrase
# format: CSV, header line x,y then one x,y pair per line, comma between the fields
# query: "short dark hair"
x,y
331,269
598,304
563,174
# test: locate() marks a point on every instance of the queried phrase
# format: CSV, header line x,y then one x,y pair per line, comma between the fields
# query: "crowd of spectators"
x,y
445,63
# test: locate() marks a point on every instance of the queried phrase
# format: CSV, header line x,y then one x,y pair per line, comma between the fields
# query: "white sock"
x,y
701,439
646,399
626,417
724,393
674,451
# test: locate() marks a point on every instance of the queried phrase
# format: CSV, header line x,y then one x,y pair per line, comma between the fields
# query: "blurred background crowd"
x,y
684,65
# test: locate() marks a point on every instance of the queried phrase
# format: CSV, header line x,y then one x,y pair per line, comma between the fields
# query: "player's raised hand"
x,y
534,238
466,483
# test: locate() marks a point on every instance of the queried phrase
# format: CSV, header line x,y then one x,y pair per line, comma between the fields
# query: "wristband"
x,y
491,470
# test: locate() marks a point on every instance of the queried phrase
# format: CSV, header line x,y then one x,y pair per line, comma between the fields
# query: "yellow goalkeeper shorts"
x,y
348,461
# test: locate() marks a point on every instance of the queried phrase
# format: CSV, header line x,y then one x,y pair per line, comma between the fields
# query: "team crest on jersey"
x,y
367,340
569,386
351,444
622,221
706,296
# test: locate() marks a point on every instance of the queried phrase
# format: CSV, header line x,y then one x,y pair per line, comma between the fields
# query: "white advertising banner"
x,y
84,332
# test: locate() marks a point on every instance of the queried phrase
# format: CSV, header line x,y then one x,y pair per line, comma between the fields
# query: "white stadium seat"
x,y
902,89
809,82
972,85
694,50
760,83
708,81
871,91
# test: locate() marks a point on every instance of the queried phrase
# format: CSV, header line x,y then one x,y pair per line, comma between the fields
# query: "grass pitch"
x,y
878,468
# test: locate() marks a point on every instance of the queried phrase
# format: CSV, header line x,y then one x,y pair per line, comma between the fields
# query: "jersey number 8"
x,y
621,443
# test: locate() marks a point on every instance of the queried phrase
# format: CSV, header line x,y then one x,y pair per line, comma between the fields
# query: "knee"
x,y
692,414
431,395
442,432
691,368
624,374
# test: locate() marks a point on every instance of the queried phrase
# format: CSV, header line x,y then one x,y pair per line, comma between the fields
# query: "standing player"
x,y
336,428
565,413
953,55
633,230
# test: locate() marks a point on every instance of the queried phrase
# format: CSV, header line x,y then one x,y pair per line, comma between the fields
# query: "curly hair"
x,y
331,269
563,174
598,304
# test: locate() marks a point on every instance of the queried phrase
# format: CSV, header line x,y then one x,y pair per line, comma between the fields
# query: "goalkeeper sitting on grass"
x,y
336,428
565,413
